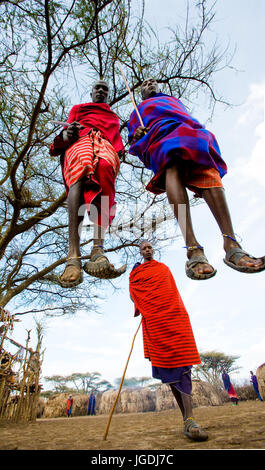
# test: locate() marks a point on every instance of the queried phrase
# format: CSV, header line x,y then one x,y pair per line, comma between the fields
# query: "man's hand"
x,y
72,131
140,132
121,154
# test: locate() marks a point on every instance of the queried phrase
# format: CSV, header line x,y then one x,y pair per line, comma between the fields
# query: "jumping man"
x,y
90,149
183,154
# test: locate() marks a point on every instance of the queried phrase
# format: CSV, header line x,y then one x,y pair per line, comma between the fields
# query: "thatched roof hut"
x,y
131,400
260,374
56,405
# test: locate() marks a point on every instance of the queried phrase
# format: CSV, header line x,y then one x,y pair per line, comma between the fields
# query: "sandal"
x,y
193,431
238,253
99,266
72,262
193,262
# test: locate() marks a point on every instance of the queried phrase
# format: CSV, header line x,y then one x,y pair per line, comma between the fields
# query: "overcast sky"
x,y
227,311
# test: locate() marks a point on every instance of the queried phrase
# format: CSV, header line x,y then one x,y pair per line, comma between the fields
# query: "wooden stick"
x,y
15,343
130,93
61,123
118,394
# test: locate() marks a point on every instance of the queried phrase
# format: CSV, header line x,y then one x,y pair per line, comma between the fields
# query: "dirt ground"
x,y
228,426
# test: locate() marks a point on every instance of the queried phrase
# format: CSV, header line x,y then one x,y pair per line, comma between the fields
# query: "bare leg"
x,y
75,219
98,240
98,244
184,402
215,198
75,201
177,195
191,429
99,265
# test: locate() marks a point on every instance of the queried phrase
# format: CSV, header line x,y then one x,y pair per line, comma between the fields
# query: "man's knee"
x,y
174,173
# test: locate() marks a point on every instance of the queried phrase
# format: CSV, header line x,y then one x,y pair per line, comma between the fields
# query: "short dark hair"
x,y
99,81
143,241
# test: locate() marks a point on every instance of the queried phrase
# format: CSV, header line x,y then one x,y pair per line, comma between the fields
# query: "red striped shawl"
x,y
167,333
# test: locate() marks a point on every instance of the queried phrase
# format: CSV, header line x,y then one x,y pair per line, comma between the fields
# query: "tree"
x,y
79,382
58,383
50,52
134,382
212,365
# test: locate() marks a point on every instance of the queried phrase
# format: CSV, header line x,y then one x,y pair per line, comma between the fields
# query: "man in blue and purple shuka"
x,y
183,154
255,384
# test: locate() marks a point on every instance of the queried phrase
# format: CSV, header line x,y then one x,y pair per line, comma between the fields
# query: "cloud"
x,y
252,166
253,108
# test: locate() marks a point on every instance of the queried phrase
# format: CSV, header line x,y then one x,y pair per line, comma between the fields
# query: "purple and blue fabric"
x,y
173,134
256,386
91,404
226,381
180,377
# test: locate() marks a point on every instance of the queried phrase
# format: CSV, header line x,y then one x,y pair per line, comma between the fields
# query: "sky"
x,y
227,311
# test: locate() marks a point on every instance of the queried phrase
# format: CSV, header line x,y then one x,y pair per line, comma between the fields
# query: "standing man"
x,y
167,333
69,406
90,149
91,404
229,388
255,384
183,154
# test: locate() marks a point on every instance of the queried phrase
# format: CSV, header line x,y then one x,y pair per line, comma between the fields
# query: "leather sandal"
x,y
192,263
193,431
237,253
100,267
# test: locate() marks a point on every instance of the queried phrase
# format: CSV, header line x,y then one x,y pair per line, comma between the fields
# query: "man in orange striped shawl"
x,y
90,150
167,333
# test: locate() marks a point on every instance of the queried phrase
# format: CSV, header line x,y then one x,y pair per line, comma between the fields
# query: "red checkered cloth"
x,y
174,137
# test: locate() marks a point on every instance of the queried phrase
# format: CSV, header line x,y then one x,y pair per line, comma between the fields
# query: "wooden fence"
x,y
19,373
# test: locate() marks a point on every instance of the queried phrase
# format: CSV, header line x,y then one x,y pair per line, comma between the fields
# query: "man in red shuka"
x,y
90,150
167,333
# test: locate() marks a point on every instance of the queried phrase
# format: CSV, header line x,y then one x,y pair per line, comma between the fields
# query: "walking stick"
x,y
118,394
130,93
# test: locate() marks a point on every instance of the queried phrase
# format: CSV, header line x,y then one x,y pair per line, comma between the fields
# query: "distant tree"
x,y
212,365
58,383
134,381
85,382
79,382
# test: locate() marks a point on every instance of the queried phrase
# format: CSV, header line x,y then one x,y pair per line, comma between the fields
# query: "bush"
x,y
245,392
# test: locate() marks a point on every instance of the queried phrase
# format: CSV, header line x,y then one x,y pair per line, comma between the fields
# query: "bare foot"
x,y
70,274
245,261
248,262
194,432
199,268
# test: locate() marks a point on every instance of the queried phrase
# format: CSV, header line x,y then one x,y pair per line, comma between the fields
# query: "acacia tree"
x,y
51,52
134,382
79,382
212,365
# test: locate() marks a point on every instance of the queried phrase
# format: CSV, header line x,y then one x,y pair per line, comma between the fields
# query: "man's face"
x,y
147,251
100,92
149,88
